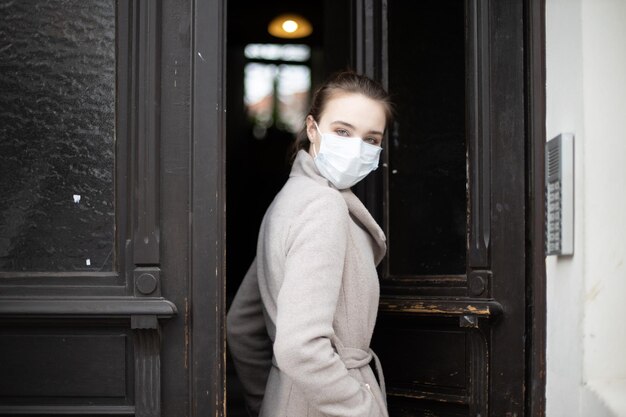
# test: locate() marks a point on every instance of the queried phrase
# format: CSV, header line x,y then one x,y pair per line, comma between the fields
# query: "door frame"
x,y
207,346
535,91
205,314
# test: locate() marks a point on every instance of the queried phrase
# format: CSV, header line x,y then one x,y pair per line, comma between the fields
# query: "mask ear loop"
x,y
320,132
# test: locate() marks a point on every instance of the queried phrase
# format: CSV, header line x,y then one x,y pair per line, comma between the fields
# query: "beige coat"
x,y
301,323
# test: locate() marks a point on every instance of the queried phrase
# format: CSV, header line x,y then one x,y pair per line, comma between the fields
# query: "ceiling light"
x,y
290,26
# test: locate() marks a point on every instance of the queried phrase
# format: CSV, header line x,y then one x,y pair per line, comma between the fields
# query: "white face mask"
x,y
344,161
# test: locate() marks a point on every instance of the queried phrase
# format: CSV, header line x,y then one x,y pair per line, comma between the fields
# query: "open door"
x,y
451,332
269,85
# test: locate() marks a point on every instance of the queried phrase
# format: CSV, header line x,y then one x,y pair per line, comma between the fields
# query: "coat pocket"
x,y
375,410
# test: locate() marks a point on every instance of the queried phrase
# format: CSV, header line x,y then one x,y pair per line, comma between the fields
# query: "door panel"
x,y
89,367
58,137
426,167
440,367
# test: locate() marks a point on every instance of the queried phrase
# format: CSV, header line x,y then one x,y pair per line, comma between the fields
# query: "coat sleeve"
x,y
248,341
306,304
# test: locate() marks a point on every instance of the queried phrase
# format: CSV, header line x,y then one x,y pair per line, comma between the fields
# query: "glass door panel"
x,y
57,135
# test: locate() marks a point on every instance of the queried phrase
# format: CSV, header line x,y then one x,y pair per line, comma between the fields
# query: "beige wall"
x,y
586,95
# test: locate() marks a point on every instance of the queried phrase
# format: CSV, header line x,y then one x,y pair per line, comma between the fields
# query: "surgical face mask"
x,y
344,161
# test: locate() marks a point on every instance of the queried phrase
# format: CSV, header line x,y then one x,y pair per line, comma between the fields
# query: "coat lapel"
x,y
362,214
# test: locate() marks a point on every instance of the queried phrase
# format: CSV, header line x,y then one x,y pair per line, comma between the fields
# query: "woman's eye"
x,y
342,132
372,141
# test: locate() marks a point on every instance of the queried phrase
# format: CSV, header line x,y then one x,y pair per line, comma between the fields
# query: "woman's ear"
x,y
311,131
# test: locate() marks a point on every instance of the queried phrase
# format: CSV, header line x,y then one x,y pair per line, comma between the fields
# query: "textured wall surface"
x,y
57,135
586,95
604,87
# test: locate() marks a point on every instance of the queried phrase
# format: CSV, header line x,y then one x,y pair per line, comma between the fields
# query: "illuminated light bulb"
x,y
290,26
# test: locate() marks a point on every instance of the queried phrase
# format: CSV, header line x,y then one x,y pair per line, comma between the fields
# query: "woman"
x,y
301,322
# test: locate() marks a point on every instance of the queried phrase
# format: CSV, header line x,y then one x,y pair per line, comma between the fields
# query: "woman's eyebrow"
x,y
348,125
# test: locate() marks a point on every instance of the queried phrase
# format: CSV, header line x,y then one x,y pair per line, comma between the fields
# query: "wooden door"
x,y
111,171
452,332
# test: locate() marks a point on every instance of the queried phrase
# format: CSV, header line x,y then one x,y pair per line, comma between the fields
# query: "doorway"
x,y
454,330
269,85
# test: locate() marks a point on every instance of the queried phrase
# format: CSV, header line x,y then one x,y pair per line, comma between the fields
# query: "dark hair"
x,y
341,82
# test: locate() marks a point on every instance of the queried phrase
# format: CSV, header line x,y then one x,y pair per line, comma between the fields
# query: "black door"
x,y
110,170
452,332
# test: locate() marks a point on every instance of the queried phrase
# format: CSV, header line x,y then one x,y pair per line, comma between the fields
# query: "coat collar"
x,y
304,165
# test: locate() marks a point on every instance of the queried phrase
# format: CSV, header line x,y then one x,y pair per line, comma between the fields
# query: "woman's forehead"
x,y
355,109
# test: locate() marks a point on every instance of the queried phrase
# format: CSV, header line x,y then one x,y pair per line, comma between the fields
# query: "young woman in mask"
x,y
300,325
